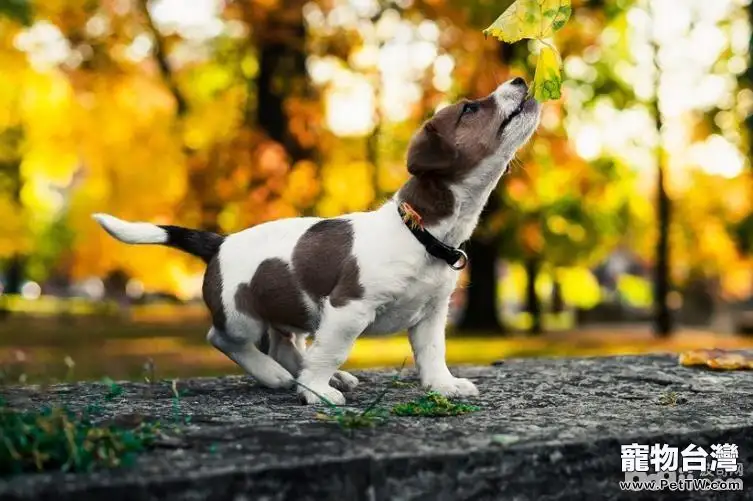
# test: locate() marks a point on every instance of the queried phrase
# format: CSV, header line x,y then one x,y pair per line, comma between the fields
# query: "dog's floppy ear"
x,y
430,152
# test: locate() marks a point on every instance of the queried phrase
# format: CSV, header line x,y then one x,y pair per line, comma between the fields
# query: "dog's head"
x,y
464,136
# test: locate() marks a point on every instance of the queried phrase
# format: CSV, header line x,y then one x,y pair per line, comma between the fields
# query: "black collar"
x,y
456,258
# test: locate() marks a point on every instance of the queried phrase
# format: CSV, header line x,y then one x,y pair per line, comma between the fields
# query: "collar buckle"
x,y
462,262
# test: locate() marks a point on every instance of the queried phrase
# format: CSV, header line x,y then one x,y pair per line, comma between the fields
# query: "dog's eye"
x,y
470,108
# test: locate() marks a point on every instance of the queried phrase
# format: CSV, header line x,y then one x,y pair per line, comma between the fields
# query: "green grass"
x,y
177,415
433,405
352,419
430,405
670,399
58,438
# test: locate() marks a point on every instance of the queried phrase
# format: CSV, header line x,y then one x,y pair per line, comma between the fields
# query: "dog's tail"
x,y
203,244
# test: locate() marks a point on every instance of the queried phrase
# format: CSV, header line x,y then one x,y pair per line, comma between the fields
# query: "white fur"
x,y
131,233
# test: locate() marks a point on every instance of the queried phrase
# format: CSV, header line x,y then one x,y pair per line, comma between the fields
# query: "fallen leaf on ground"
x,y
717,359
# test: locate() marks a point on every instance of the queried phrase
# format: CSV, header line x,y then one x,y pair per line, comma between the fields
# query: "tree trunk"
x,y
558,302
480,314
481,306
281,43
663,321
662,314
533,307
11,171
14,275
282,73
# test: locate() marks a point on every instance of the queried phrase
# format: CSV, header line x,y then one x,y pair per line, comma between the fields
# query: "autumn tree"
x,y
188,119
14,239
684,131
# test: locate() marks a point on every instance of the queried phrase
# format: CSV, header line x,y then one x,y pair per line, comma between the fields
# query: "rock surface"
x,y
547,429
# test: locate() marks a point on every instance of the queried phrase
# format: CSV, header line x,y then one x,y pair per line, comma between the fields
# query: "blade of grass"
x,y
386,388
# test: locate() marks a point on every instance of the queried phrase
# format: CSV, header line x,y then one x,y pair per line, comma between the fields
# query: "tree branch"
x,y
160,55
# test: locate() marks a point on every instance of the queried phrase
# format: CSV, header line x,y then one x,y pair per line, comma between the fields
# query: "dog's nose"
x,y
518,81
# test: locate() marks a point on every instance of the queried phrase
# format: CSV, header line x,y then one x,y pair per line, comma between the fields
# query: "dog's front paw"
x,y
344,381
314,394
453,387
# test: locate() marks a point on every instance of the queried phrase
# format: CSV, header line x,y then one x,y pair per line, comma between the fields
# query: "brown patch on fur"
x,y
431,150
451,144
431,197
323,262
349,286
273,296
477,136
211,290
445,150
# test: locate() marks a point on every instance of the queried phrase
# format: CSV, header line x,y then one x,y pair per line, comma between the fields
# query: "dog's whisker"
x,y
515,163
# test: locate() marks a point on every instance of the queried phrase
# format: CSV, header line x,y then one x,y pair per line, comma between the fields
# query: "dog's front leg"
x,y
289,352
428,343
333,341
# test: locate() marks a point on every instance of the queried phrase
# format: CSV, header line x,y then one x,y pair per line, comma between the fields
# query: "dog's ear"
x,y
430,151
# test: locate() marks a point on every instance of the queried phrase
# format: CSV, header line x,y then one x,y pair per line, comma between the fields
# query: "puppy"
x,y
375,272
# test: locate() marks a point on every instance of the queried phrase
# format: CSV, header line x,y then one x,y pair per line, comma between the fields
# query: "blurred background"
x,y
626,225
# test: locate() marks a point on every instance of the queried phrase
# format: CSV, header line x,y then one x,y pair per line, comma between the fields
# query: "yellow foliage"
x,y
347,188
392,176
158,268
636,290
14,237
206,125
737,283
579,287
302,185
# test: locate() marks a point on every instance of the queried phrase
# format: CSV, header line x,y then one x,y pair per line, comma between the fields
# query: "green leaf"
x,y
548,79
534,19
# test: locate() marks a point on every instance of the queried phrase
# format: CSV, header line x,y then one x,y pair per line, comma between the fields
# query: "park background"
x,y
626,226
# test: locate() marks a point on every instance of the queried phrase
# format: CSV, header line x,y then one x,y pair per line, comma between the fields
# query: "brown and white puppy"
x,y
359,273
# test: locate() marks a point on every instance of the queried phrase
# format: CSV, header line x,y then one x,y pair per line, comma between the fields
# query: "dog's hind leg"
x,y
245,353
290,350
287,351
